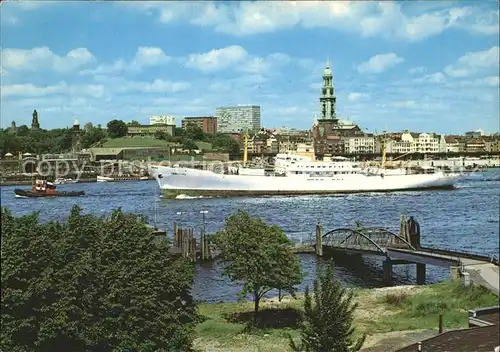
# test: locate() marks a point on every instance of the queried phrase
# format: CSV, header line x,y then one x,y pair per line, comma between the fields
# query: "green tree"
x,y
88,126
133,123
225,143
189,144
78,286
23,130
328,322
160,135
92,136
259,255
178,131
117,128
194,132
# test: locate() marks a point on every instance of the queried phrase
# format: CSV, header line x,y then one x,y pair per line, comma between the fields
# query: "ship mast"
x,y
384,151
245,148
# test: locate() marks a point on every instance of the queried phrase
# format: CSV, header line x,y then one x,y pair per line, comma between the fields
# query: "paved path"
x,y
487,275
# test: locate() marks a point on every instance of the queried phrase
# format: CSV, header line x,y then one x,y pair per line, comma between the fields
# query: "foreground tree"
x,y
328,322
92,284
259,255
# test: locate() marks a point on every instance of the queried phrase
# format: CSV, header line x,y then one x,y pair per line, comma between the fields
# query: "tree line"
x,y
109,284
59,140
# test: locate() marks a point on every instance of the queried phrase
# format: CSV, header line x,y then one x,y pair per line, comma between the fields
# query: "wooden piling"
x,y
175,242
441,327
202,246
192,247
319,240
208,247
185,243
402,227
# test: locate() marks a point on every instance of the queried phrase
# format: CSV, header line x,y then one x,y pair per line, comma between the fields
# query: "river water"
x,y
466,218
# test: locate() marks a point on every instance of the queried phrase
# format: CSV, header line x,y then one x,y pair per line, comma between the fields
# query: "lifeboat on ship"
x,y
42,188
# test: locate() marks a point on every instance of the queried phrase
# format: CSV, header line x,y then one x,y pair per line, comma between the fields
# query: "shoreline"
x,y
30,182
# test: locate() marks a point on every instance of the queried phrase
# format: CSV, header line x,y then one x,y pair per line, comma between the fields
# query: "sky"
x,y
424,66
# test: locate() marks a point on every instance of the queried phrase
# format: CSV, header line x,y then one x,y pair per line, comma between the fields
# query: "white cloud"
x,y
43,58
493,81
369,19
217,59
432,78
144,57
473,62
237,58
157,86
417,70
380,63
355,96
30,90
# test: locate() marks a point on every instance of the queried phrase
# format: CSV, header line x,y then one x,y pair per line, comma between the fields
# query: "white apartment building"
x,y
417,143
360,145
452,144
162,120
238,119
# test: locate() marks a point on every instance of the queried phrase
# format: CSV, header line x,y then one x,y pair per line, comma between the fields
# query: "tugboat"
x,y
42,188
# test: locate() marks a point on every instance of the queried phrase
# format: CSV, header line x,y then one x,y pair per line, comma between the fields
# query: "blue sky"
x,y
423,66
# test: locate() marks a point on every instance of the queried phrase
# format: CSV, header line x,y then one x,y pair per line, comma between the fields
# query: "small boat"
x,y
42,188
116,178
63,181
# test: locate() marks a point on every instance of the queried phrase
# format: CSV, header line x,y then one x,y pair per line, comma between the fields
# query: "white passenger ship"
x,y
295,175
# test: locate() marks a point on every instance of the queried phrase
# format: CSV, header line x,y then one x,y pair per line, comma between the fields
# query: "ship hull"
x,y
121,179
191,182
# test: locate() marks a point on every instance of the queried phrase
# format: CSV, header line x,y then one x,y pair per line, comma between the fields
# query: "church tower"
x,y
35,125
76,137
327,99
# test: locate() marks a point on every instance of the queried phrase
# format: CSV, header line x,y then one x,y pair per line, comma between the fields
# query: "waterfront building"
x,y
474,134
427,143
410,142
290,142
452,144
263,141
475,145
207,123
238,119
129,153
162,120
150,130
306,149
360,145
492,146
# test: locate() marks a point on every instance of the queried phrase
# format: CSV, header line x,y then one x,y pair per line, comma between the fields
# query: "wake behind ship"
x,y
295,175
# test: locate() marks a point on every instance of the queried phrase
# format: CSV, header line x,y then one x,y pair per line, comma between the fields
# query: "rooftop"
x,y
473,339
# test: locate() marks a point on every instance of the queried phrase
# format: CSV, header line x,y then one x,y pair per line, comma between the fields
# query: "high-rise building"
x,y
162,120
237,119
207,123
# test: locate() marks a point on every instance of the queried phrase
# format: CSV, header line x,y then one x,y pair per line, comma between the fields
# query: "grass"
x,y
422,310
204,146
144,142
380,312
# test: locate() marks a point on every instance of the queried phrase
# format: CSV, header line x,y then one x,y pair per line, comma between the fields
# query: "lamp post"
x,y
203,212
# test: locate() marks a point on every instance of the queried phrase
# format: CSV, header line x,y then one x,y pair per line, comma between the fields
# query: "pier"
x,y
404,248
